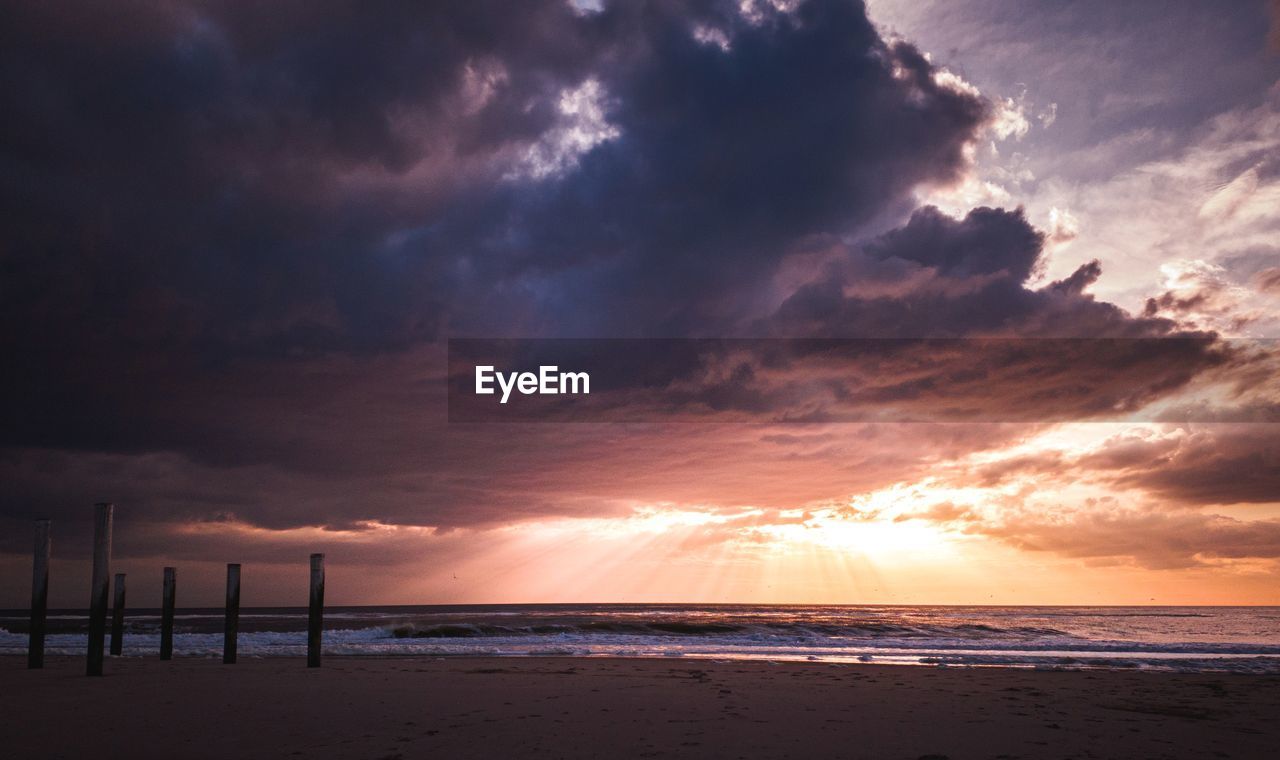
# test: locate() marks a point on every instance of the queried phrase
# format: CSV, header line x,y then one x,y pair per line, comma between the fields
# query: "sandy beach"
x,y
383,708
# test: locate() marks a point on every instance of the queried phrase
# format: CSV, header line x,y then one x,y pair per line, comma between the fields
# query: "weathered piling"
x,y
166,614
39,596
117,618
231,628
98,587
315,620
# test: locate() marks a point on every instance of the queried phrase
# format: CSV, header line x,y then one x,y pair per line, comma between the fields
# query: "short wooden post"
x,y
99,587
166,614
315,621
232,626
39,596
117,618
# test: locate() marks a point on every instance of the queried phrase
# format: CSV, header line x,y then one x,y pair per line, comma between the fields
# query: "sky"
x,y
238,238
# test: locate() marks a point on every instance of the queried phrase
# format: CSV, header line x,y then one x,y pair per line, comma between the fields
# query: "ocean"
x,y
1189,639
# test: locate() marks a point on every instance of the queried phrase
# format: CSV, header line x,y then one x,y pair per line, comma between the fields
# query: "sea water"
x,y
1191,639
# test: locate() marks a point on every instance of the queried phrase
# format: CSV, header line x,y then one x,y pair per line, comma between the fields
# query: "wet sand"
x,y
377,708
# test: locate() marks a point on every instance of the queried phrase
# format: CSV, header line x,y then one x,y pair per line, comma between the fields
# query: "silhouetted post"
x,y
232,627
39,596
117,618
315,622
166,614
98,588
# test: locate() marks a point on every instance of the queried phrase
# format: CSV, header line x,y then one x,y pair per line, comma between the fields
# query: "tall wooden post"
x,y
39,596
98,588
117,618
166,614
232,626
315,621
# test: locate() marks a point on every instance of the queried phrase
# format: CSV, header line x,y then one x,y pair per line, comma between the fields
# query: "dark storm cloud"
x,y
236,232
808,124
939,276
194,187
180,177
935,276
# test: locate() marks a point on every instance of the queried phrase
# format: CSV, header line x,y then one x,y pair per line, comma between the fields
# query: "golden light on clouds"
x,y
1067,513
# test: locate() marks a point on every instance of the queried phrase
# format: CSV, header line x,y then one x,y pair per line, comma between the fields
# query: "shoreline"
x,y
388,706
1066,663
1251,664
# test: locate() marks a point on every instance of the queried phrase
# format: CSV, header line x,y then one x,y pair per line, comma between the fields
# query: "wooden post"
x,y
39,596
98,588
166,614
232,626
315,621
117,618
